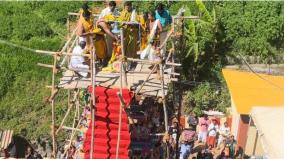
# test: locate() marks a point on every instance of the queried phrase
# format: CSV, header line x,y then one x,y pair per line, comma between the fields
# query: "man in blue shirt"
x,y
163,15
165,19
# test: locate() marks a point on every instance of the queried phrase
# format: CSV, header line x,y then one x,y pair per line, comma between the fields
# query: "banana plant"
x,y
206,23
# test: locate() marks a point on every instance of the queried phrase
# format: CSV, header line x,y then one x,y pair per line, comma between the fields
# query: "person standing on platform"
x,y
165,19
110,13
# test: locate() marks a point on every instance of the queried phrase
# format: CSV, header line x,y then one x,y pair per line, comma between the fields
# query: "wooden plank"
x,y
71,81
3,139
6,138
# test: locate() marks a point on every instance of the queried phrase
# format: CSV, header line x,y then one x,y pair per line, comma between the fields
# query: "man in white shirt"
x,y
224,132
212,133
77,62
111,9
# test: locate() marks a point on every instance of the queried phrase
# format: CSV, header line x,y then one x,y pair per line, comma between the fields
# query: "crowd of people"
x,y
208,139
146,129
74,149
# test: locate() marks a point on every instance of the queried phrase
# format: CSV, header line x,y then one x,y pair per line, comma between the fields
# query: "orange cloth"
x,y
211,140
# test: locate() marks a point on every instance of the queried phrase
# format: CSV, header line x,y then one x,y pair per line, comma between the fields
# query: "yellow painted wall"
x,y
248,90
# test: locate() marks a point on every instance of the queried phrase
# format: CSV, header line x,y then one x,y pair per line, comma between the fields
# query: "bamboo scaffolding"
x,y
185,17
147,78
71,128
122,73
69,40
63,68
70,141
53,94
53,107
93,101
70,105
59,53
77,14
66,52
152,62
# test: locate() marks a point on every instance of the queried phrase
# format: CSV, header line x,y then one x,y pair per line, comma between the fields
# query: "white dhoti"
x,y
77,62
148,53
81,69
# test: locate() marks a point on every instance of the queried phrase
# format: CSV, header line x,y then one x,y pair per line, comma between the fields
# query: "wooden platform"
x,y
134,80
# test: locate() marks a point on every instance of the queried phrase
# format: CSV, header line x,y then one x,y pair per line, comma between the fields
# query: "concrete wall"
x,y
253,144
235,118
243,130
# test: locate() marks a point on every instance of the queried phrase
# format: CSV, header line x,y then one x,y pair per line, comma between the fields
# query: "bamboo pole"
x,y
163,97
167,38
153,62
93,101
123,58
70,105
70,141
186,17
147,78
54,92
62,68
73,129
121,104
174,79
69,40
70,128
68,51
45,65
59,53
53,107
77,14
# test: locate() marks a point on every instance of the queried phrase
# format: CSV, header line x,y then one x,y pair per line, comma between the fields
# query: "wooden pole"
x,y
53,107
77,14
71,128
70,105
163,97
152,62
147,78
68,51
121,104
123,58
186,17
71,138
62,68
93,101
58,53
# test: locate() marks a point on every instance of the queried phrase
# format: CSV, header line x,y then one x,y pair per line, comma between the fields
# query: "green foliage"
x,y
22,82
206,96
60,9
5,30
6,76
254,28
144,7
26,27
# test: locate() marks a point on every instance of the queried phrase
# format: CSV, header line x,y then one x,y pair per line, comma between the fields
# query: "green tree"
x,y
253,28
